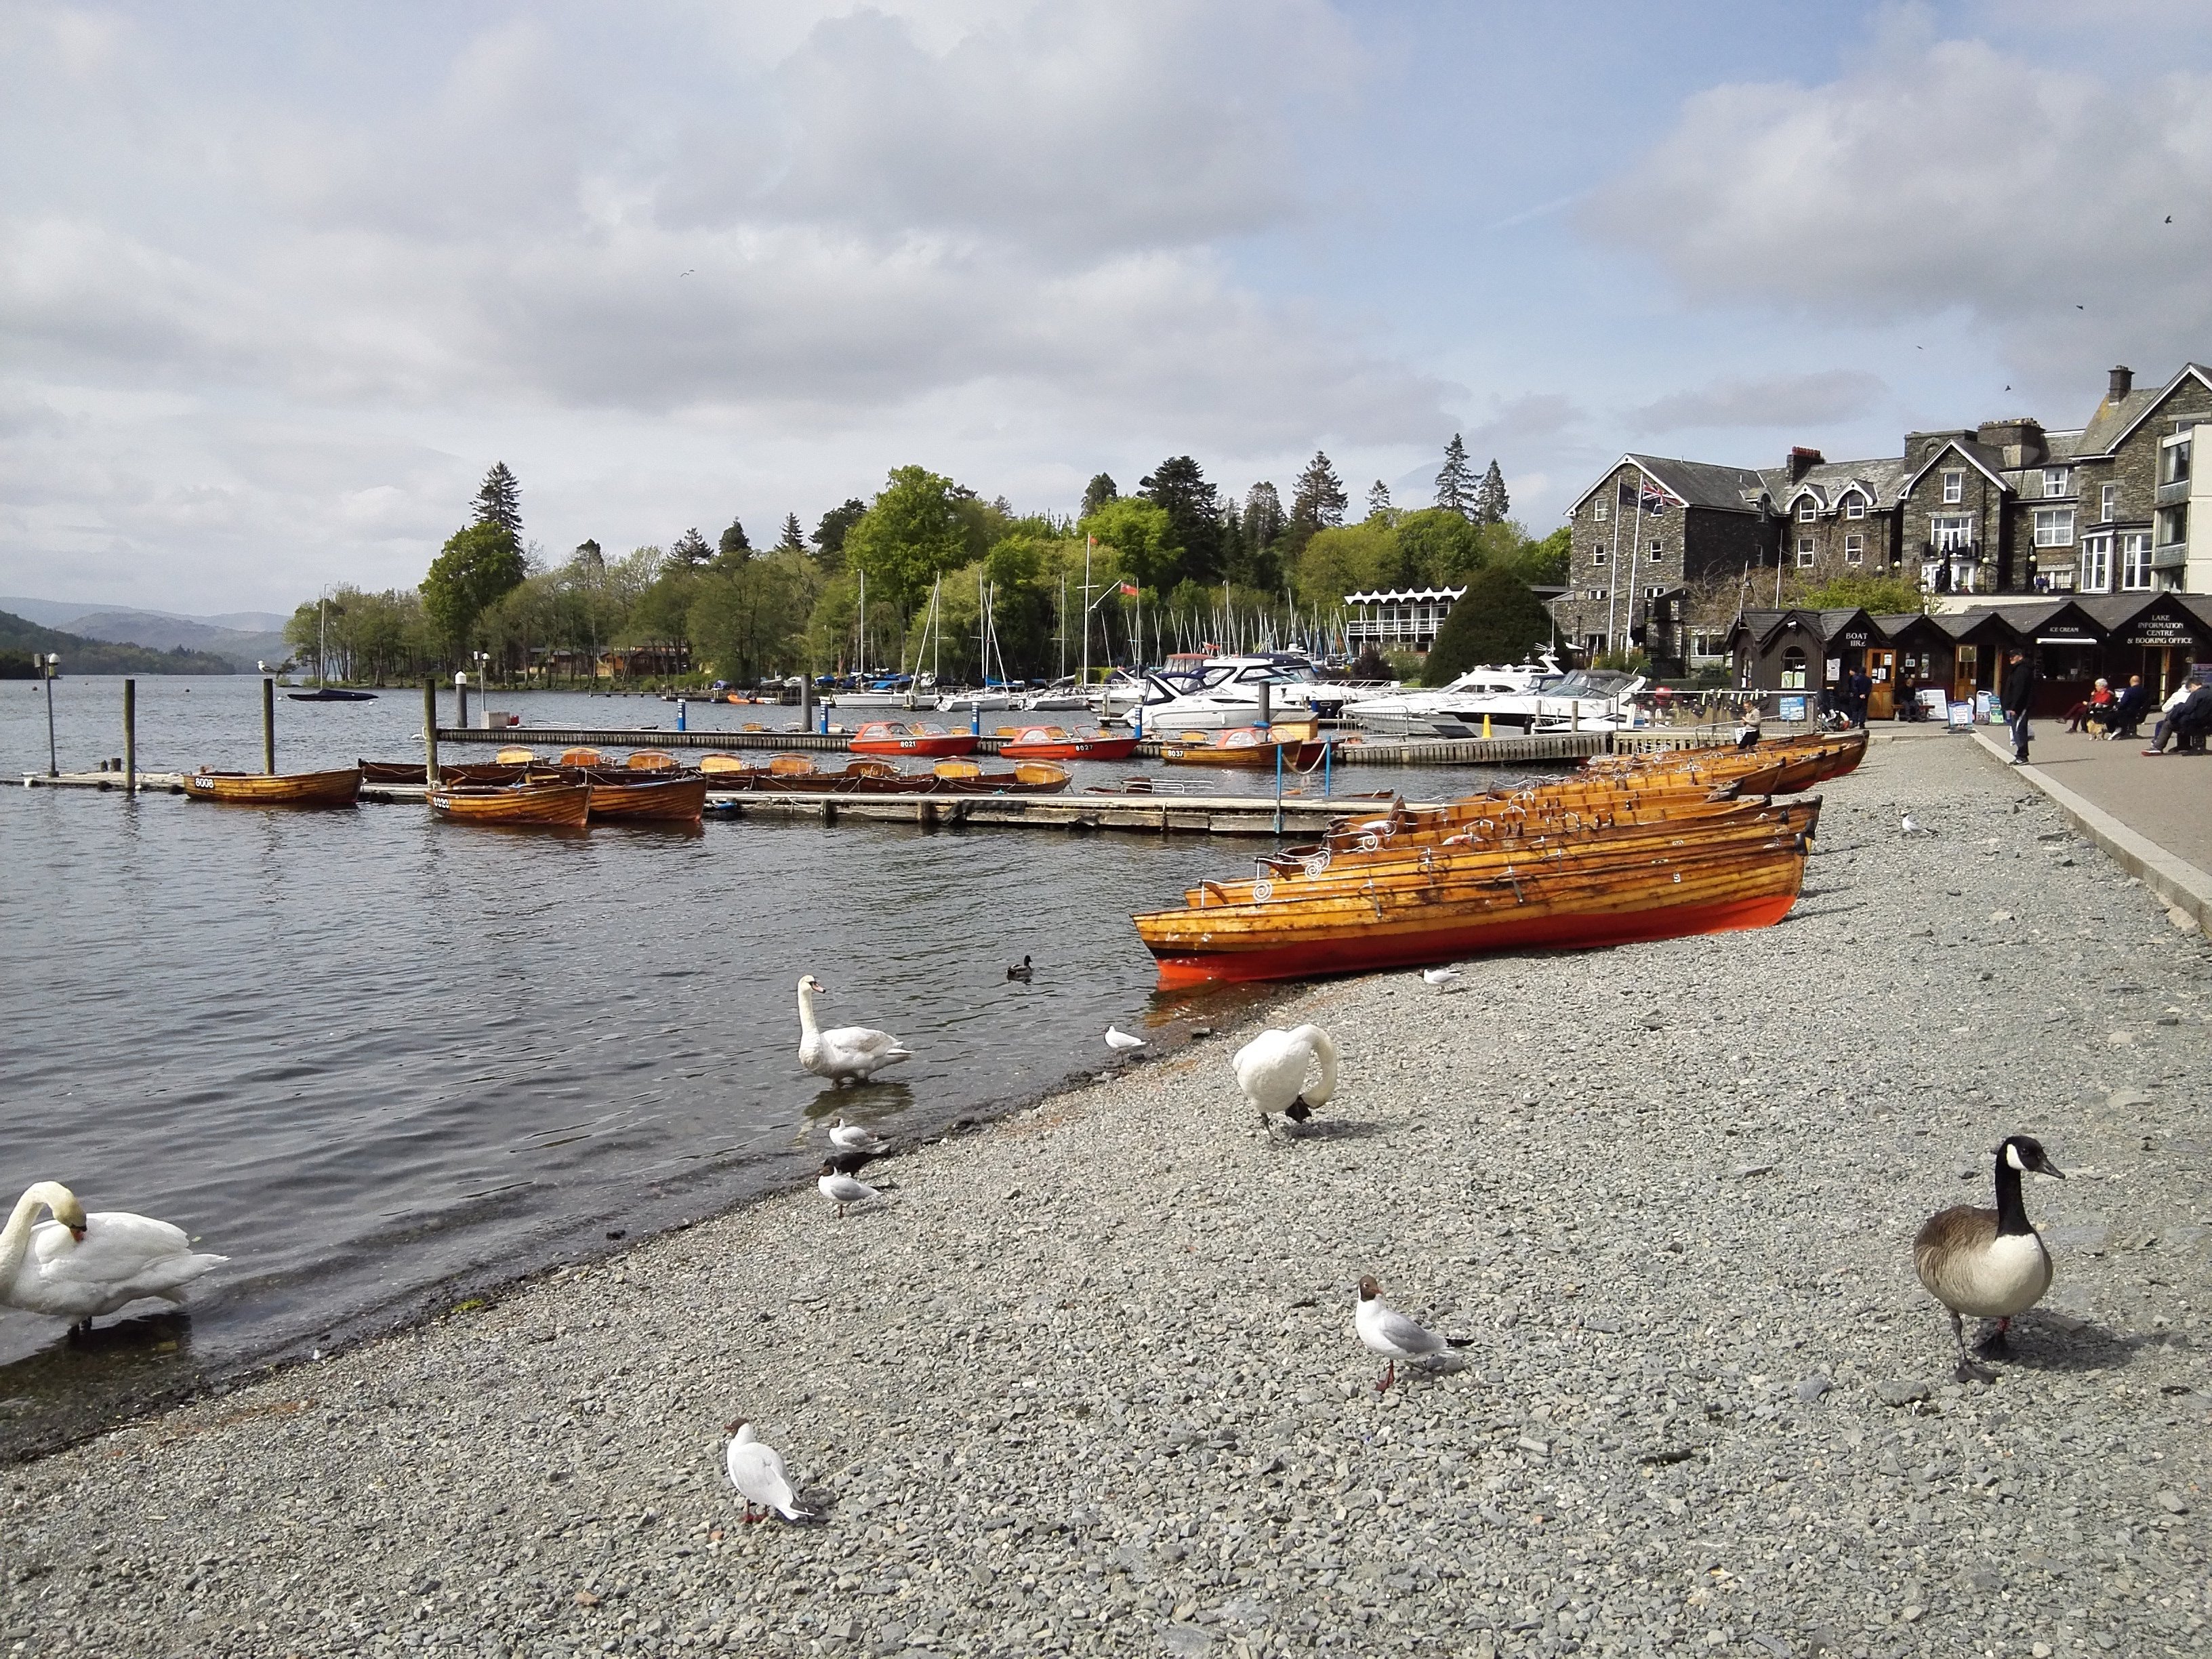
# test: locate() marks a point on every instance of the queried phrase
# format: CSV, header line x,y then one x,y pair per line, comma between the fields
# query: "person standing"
x,y
2020,682
1862,693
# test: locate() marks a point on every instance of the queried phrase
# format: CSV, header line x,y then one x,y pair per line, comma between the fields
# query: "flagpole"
x,y
1613,569
1634,547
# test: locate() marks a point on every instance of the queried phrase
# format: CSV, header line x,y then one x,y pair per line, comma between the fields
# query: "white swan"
x,y
850,1051
1271,1070
756,1471
79,1267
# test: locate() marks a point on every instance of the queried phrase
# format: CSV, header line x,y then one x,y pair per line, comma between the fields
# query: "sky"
x,y
278,284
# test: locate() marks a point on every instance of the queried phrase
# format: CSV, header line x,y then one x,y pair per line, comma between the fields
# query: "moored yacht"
x,y
1429,714
1225,693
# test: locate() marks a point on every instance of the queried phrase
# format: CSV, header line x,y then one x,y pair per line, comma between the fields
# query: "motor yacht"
x,y
1429,714
1225,693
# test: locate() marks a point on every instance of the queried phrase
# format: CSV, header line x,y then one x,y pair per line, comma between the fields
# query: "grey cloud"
x,y
1837,394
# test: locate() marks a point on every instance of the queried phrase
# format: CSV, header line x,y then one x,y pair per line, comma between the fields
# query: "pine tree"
x,y
1099,491
1378,500
1491,504
829,534
1193,511
690,549
735,547
1321,501
1264,517
499,500
1456,484
793,540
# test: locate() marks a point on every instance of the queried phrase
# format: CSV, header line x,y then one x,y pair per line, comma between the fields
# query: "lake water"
x,y
377,1059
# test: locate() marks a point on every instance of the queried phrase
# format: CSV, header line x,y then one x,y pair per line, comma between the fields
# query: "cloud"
x,y
1784,400
1940,177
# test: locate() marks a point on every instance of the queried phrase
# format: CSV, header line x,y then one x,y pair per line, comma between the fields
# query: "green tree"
x,y
793,539
499,502
836,524
747,620
1544,563
1491,504
1320,501
690,549
476,569
1100,490
1193,510
912,533
1496,620
1438,547
1378,500
1456,484
1351,559
733,547
1881,595
1141,535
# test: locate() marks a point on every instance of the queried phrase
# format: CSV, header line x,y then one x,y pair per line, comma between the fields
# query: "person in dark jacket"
x,y
2020,682
2128,708
2191,718
1861,692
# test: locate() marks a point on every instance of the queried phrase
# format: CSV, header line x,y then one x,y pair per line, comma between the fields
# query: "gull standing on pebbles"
x,y
842,1189
1908,826
852,1052
855,1138
1271,1070
1393,1334
1439,977
1121,1042
756,1471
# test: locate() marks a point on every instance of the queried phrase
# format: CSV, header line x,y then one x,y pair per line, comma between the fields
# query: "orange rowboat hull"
x,y
260,789
1098,749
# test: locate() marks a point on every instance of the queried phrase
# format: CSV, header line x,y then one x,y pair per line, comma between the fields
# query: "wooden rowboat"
x,y
541,806
657,800
898,737
1248,745
339,788
471,772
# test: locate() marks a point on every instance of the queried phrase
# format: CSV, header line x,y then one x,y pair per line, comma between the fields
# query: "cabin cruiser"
x,y
1588,700
885,692
1225,692
1428,714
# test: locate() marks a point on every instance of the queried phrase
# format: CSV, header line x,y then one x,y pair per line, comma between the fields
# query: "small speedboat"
x,y
1054,743
331,693
898,737
1296,742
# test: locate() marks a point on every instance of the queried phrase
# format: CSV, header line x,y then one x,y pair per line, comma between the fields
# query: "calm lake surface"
x,y
376,1059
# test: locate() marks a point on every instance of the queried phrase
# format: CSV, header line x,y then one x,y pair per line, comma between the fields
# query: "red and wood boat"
x,y
898,737
1052,743
552,805
340,788
650,800
1248,745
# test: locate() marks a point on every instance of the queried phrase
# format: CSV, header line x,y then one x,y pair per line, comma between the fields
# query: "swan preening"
x,y
79,1267
756,1471
1271,1069
1989,1263
849,1051
1391,1333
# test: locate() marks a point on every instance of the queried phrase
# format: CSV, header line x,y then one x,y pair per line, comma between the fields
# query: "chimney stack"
x,y
2123,378
1803,461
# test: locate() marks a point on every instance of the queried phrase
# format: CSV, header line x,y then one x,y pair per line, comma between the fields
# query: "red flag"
x,y
1129,590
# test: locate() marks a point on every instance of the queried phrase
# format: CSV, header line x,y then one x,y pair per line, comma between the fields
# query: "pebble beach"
x,y
1084,1381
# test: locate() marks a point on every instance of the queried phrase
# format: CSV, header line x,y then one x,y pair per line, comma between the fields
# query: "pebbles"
x,y
1090,1385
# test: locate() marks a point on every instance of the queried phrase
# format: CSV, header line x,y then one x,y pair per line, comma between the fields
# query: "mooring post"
x,y
681,708
269,728
460,697
430,733
1278,777
129,738
806,699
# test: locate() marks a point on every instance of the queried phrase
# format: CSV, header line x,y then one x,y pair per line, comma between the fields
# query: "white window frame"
x,y
1955,488
1855,506
2096,564
1598,555
1656,550
1959,527
2054,527
2136,575
1854,549
2108,503
2055,480
1808,509
2173,459
1604,511
1805,553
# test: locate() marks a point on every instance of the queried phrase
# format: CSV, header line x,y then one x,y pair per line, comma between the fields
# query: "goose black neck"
x,y
2012,1212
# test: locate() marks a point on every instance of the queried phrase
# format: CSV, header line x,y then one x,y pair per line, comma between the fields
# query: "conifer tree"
x,y
1193,511
1378,500
690,549
1491,504
793,540
1264,517
735,546
1100,490
1456,484
499,500
1321,501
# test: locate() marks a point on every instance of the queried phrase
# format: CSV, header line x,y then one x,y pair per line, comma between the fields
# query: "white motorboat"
x,y
1588,700
1225,693
1428,714
978,702
1063,694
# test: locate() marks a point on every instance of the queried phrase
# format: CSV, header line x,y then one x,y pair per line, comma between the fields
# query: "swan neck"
x,y
15,1237
1324,1048
807,1026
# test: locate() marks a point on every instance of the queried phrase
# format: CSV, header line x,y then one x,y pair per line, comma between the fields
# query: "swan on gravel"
x,y
756,1471
850,1051
1271,1070
79,1267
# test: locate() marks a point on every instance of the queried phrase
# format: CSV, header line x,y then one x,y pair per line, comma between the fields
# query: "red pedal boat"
x,y
898,737
1052,743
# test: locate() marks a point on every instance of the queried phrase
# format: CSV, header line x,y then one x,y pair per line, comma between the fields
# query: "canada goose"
x,y
842,1189
1990,1263
1021,972
850,1051
1390,1332
1271,1070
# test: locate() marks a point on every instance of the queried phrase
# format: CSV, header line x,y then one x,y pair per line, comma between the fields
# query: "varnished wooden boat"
x,y
898,737
653,800
469,772
797,775
542,806
1055,743
1570,906
1295,742
340,788
1798,762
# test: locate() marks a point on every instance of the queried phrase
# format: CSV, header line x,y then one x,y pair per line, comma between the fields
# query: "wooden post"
x,y
430,731
129,737
269,727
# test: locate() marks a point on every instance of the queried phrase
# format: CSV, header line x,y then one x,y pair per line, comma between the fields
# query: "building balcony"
x,y
2172,556
2172,494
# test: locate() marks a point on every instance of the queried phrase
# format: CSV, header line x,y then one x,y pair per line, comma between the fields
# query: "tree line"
x,y
1177,563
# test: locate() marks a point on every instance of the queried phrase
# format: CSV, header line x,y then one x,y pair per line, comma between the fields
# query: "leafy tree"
x,y
1492,505
1369,664
1544,563
1194,509
792,540
499,502
475,569
1141,534
747,619
829,534
1438,547
1378,500
1456,484
1881,595
1496,620
1320,501
588,552
911,533
1350,559
1100,490
690,549
734,547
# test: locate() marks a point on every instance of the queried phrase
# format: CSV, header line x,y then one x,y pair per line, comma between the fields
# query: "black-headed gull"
x,y
756,1471
855,1138
1439,977
1121,1042
1908,826
1392,1333
842,1189
1271,1070
851,1052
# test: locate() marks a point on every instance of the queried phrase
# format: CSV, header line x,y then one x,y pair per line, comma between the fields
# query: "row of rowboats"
x,y
1627,849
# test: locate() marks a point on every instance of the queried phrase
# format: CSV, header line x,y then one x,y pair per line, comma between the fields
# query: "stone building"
x,y
1667,552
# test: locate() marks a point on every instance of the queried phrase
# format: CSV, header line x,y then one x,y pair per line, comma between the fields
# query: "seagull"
x,y
853,1138
1393,1334
1121,1042
1439,977
842,1189
1271,1070
1908,826
851,1163
1020,972
692,272
756,1471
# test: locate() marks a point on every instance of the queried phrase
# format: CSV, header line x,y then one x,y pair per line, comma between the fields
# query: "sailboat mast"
x,y
861,652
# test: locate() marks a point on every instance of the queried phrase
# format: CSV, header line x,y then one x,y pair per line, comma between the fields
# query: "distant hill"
x,y
19,640
160,632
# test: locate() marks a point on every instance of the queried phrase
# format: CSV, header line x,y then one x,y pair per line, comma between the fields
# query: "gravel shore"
x,y
1086,1381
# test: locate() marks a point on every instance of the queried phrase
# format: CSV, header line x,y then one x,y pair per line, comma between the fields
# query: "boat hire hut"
x,y
1791,653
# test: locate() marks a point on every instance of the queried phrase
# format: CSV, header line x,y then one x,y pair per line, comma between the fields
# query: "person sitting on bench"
x,y
2091,708
2128,710
2187,721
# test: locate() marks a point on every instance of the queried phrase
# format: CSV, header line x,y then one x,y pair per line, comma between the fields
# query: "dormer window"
x,y
1955,488
1855,506
1805,509
2057,480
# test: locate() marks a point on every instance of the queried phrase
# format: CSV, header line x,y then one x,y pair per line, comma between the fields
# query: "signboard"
x,y
1858,636
2161,631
